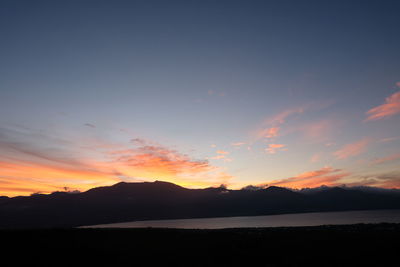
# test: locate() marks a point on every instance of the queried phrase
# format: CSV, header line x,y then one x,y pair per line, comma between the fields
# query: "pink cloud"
x,y
280,118
384,180
320,131
390,108
386,159
353,149
389,139
325,176
398,84
315,158
269,132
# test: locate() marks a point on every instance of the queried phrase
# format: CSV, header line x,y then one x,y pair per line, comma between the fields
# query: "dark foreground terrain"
x,y
350,245
126,202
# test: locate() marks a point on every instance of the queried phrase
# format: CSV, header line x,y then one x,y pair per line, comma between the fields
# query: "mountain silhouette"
x,y
124,202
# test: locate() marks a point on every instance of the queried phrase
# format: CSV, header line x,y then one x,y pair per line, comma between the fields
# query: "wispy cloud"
x,y
90,125
222,155
238,144
281,117
329,176
218,157
319,131
325,176
353,149
271,128
389,139
45,164
392,157
383,180
269,132
273,148
315,158
390,108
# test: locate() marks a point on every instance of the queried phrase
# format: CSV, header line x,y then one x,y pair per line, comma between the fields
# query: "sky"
x,y
198,93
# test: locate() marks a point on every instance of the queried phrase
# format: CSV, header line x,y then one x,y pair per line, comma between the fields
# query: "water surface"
x,y
299,219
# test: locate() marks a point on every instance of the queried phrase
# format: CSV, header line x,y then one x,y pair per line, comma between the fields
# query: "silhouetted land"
x,y
349,245
124,202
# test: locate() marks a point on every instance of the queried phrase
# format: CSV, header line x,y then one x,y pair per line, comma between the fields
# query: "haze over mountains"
x,y
124,202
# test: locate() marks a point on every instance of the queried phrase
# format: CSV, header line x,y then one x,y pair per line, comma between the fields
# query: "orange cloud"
x,y
390,108
159,162
25,168
33,177
325,176
353,149
222,152
386,159
273,148
270,127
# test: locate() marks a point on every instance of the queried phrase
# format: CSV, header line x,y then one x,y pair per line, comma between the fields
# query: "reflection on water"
x,y
300,219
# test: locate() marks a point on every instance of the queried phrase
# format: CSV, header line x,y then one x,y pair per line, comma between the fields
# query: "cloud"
x,y
139,141
354,149
159,161
238,144
389,139
329,176
281,117
45,164
386,159
222,155
218,157
273,148
216,92
319,131
383,180
269,132
315,158
390,108
89,125
324,176
271,126
398,84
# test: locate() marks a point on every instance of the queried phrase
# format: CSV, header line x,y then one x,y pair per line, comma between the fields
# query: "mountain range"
x,y
124,202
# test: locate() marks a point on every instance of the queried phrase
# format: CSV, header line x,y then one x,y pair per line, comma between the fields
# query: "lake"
x,y
299,219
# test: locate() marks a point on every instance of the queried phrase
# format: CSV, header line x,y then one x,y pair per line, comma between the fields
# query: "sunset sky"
x,y
199,93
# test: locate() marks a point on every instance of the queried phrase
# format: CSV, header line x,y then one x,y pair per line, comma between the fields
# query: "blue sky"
x,y
79,80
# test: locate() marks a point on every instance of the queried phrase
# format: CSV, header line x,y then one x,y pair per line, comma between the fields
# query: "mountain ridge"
x,y
123,202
